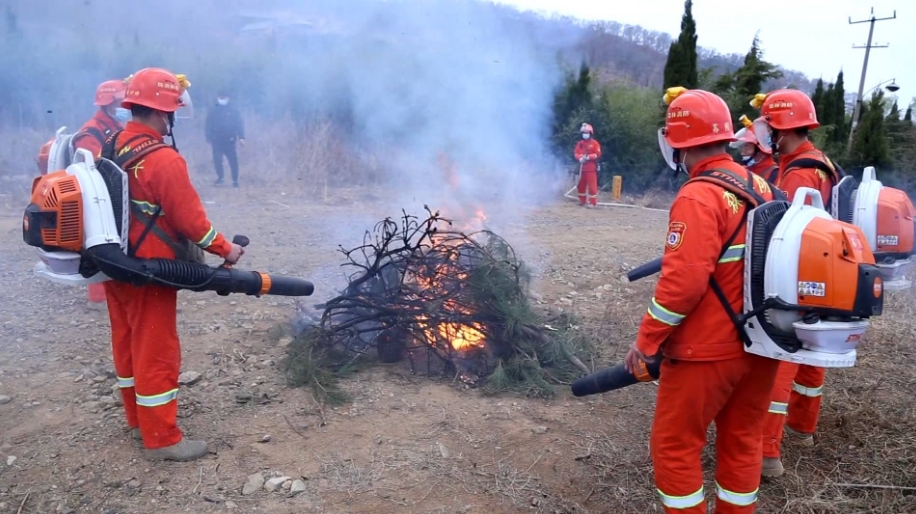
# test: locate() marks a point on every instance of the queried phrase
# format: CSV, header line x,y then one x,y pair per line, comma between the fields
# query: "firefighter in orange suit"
x,y
587,152
147,354
91,136
706,376
755,156
786,117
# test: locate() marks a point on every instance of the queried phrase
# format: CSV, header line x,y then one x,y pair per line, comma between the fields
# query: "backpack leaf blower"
x,y
810,285
78,219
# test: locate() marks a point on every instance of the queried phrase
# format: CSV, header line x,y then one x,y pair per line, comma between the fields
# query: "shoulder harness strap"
x,y
833,171
133,149
742,187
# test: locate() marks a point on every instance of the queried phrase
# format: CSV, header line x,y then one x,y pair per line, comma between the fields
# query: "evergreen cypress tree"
x,y
871,146
681,66
838,118
818,100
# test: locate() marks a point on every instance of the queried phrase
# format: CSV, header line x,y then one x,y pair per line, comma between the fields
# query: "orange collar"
x,y
716,161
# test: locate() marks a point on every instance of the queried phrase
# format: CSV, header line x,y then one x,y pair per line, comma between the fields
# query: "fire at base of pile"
x,y
445,303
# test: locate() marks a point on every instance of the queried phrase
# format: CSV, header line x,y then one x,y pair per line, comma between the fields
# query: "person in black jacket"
x,y
224,127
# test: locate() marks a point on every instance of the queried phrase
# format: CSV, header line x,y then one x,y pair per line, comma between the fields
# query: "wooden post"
x,y
617,186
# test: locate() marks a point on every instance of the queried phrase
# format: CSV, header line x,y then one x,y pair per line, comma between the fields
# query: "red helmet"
x,y
786,109
587,128
696,117
109,92
157,89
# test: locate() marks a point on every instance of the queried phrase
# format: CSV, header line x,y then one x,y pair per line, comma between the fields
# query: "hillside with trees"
x,y
381,73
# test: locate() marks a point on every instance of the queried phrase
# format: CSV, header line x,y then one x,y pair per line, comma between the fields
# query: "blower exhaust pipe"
x,y
615,377
111,260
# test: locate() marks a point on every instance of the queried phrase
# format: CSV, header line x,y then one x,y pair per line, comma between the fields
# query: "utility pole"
x,y
868,46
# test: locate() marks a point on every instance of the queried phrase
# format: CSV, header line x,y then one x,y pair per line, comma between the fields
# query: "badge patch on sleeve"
x,y
676,231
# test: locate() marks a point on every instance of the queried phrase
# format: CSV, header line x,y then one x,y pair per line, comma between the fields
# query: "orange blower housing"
x,y
53,219
888,220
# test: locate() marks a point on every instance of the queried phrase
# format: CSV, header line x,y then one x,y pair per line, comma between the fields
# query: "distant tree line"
x,y
626,116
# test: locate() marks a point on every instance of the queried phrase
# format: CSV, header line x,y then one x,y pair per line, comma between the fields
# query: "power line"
x,y
868,46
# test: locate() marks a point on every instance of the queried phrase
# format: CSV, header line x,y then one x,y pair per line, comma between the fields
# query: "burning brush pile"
x,y
443,302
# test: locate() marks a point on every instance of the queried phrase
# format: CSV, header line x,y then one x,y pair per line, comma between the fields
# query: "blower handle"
x,y
803,193
616,377
650,268
240,240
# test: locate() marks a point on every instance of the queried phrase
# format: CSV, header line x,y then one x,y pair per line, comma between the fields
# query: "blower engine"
x,y
886,217
810,285
78,219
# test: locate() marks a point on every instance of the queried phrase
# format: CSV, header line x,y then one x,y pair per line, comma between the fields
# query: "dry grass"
x,y
864,459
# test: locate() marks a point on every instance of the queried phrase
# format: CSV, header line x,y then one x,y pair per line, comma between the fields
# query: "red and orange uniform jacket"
x,y
685,318
86,140
791,179
160,179
592,149
766,168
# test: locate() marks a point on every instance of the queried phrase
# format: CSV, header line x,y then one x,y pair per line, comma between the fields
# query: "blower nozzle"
x,y
615,377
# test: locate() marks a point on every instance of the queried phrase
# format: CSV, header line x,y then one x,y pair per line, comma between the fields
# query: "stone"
x,y
231,505
189,378
5,399
10,460
275,483
253,483
134,484
297,487
539,430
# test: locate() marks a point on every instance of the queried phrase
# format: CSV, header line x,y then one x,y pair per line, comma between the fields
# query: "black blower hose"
x,y
650,268
611,379
117,266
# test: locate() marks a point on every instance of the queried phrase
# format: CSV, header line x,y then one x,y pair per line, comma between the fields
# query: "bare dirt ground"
x,y
407,443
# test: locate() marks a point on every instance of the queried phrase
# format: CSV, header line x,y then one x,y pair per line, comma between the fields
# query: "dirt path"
x,y
406,444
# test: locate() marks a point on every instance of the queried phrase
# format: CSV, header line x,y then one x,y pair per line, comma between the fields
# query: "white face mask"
x,y
586,135
222,101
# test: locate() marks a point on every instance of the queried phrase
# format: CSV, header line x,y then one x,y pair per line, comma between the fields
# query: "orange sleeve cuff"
x,y
651,336
220,246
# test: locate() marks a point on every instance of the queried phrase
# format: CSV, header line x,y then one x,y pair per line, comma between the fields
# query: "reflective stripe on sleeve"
x,y
664,315
157,400
733,254
779,408
682,502
208,238
124,383
146,207
812,392
739,499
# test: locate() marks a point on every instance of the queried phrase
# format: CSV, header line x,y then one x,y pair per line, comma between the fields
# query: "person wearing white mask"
x,y
224,128
587,152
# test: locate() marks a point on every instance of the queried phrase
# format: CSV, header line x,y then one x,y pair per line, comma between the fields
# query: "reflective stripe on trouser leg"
x,y
779,408
158,399
739,499
124,383
810,392
662,314
682,502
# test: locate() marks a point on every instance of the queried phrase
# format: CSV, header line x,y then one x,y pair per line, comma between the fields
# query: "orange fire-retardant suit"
x,y
147,355
706,375
92,135
587,152
796,397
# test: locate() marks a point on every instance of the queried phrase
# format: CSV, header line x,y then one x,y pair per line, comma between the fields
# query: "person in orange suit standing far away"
x,y
587,152
786,117
92,135
147,354
706,375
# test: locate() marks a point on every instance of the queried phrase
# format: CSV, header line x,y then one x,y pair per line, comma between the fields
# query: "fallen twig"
x,y
877,486
21,505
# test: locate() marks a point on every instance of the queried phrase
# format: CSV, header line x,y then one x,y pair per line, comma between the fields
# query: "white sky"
x,y
811,36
